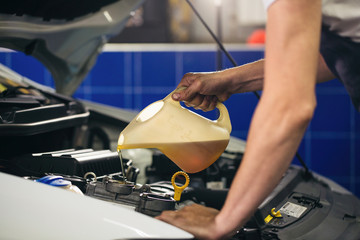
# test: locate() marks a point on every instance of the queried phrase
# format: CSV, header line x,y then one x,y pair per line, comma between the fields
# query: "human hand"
x,y
203,90
195,219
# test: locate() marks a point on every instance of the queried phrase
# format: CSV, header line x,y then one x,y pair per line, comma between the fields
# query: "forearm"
x,y
280,119
250,77
246,78
268,154
204,90
284,111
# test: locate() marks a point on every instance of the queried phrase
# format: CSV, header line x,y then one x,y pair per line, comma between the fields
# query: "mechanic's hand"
x,y
203,90
195,219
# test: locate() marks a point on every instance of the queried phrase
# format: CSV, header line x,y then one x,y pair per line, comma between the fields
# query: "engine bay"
x,y
45,134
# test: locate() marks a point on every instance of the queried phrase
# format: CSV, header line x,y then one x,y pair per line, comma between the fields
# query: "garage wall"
x,y
133,76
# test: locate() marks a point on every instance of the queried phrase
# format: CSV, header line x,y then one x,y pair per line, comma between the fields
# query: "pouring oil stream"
x,y
122,165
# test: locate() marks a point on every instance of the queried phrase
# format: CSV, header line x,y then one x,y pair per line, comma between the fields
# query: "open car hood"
x,y
65,35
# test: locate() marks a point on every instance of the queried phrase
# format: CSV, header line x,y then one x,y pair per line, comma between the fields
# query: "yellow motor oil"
x,y
190,140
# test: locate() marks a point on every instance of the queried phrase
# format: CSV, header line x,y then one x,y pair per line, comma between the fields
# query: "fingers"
x,y
176,218
188,213
196,219
197,92
205,103
192,99
168,216
192,84
208,103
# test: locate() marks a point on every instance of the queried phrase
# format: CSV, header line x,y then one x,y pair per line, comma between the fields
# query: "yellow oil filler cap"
x,y
179,189
272,215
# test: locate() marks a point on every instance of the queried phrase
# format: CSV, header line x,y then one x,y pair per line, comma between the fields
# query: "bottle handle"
x,y
169,99
223,120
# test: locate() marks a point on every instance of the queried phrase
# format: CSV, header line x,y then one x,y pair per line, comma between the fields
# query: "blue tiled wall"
x,y
133,79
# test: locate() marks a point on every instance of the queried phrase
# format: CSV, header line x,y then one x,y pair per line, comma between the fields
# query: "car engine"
x,y
44,134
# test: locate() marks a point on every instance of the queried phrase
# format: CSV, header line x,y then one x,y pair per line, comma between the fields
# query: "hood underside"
x,y
65,35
